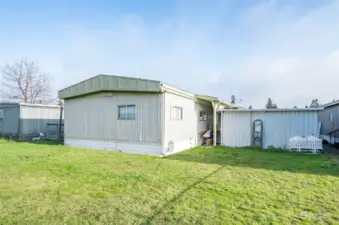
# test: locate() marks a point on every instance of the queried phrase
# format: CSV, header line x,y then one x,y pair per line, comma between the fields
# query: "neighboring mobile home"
x,y
135,115
329,119
23,121
278,126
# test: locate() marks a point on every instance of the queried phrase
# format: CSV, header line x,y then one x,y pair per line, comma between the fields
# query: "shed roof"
x,y
11,104
271,110
333,103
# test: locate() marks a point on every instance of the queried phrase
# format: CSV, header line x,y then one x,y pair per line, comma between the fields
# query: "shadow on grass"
x,y
161,209
261,159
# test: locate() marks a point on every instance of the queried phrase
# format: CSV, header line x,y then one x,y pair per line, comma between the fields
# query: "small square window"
x,y
177,113
203,116
126,112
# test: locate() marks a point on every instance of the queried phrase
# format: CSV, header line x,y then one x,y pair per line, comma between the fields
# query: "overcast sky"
x,y
284,49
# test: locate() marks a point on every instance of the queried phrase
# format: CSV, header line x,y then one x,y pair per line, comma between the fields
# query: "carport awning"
x,y
216,103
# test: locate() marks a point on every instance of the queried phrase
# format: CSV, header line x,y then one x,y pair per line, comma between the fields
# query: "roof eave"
x,y
109,83
272,110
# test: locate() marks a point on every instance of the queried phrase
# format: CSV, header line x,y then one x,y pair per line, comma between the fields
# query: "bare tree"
x,y
23,81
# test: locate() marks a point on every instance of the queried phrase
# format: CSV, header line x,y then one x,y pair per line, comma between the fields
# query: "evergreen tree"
x,y
232,99
314,103
270,104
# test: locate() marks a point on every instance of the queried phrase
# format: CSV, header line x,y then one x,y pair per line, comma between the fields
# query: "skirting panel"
x,y
128,147
179,146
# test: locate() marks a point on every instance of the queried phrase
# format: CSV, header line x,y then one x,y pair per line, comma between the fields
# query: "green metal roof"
x,y
109,83
103,83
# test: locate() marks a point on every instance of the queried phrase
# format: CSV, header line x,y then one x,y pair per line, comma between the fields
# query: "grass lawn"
x,y
51,184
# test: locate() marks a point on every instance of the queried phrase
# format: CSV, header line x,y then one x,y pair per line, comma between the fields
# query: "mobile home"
x,y
135,115
24,121
329,119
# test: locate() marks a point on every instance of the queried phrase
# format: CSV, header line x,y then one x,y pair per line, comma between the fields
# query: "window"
x,y
126,112
330,117
203,116
1,113
177,113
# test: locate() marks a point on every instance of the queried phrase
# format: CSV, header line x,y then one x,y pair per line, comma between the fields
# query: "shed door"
x,y
52,131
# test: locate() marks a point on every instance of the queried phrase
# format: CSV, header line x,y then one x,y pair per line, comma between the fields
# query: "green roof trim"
x,y
206,97
213,99
105,83
102,83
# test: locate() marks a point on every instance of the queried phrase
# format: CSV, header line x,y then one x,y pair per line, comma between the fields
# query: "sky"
x,y
287,50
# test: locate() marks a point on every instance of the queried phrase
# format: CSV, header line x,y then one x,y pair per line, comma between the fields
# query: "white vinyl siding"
x,y
95,117
278,127
34,119
184,133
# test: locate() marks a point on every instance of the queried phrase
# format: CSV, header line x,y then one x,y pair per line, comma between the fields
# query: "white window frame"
x,y
330,117
126,117
203,116
177,113
1,113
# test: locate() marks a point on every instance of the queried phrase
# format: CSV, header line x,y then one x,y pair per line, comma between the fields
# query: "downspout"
x,y
19,122
215,108
60,121
221,128
163,121
214,123
39,121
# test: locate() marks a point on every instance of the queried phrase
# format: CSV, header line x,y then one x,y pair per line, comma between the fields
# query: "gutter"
x,y
60,121
19,121
170,89
271,110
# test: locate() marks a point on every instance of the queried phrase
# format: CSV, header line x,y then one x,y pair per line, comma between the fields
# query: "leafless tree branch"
x,y
23,81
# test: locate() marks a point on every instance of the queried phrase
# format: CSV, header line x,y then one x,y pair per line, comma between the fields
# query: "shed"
x,y
24,121
279,125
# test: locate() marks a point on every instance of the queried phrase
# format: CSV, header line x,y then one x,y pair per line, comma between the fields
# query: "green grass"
x,y
53,184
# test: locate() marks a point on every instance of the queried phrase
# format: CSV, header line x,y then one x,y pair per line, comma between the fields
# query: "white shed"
x,y
279,125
